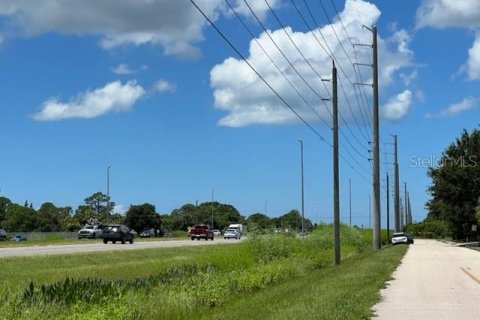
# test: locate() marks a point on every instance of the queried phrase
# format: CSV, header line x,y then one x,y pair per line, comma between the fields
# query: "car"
x,y
90,231
117,232
402,237
231,234
3,235
19,237
147,233
216,232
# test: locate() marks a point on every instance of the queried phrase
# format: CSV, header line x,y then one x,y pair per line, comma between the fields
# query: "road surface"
x,y
99,246
435,280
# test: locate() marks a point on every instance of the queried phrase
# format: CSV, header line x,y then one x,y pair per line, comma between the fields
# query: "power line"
x,y
256,72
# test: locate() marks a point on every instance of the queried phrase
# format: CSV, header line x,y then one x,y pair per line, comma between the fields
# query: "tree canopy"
x,y
455,187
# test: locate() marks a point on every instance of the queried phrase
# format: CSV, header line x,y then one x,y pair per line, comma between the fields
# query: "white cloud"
x,y
455,13
448,13
113,97
120,208
456,108
174,25
398,106
123,68
247,100
472,67
164,86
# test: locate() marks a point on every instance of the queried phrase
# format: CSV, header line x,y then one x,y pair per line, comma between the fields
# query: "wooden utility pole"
x,y
377,241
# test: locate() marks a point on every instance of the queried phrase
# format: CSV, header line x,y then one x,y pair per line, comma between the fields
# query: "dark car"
x,y
3,235
147,233
19,237
117,232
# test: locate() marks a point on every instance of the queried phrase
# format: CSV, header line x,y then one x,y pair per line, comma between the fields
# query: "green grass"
x,y
274,276
344,292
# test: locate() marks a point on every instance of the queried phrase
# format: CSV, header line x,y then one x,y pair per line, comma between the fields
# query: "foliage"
x,y
220,214
97,206
292,221
455,187
259,221
4,203
142,217
19,218
429,229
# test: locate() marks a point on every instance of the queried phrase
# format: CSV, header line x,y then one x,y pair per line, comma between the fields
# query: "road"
x,y
99,246
435,280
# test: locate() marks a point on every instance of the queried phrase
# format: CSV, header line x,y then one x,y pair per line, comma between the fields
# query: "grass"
x,y
344,292
267,277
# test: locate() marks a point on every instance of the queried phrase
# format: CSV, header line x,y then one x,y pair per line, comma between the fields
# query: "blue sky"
x,y
150,89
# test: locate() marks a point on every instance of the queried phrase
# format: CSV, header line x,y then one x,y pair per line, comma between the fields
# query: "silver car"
x,y
231,234
401,237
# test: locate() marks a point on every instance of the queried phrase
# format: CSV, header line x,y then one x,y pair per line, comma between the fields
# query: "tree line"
x,y
454,207
50,218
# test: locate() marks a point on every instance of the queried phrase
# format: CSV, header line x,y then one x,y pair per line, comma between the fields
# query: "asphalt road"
x,y
99,246
435,280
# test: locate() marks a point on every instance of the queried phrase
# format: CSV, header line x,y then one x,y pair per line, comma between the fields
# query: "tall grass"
x,y
164,283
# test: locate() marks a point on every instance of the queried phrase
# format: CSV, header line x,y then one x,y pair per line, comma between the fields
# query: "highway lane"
x,y
435,280
99,246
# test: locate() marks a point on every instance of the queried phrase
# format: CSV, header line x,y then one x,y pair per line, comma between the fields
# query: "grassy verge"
x,y
344,292
284,273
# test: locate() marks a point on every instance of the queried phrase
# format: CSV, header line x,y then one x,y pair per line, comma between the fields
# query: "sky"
x,y
166,107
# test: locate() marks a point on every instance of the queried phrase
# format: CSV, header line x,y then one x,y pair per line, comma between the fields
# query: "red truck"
x,y
201,231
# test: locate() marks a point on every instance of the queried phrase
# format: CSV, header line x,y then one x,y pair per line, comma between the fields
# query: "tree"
x,y
97,206
49,218
455,187
293,220
259,221
140,217
4,203
19,218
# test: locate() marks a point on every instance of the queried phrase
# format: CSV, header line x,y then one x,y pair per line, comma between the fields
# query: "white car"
x,y
216,232
401,237
231,234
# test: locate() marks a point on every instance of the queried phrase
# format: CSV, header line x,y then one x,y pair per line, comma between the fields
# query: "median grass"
x,y
271,273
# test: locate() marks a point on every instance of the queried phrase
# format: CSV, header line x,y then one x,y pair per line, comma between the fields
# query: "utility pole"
x,y
388,209
410,218
401,214
405,210
211,207
369,211
376,156
336,199
108,191
396,198
350,200
301,172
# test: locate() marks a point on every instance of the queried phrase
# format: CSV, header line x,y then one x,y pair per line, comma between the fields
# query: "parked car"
x,y
401,237
147,233
90,231
117,232
232,234
216,232
19,237
3,235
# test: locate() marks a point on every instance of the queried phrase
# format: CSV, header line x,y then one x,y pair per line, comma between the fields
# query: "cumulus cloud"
x,y
247,100
398,106
174,25
458,13
164,86
113,97
448,13
472,66
456,108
